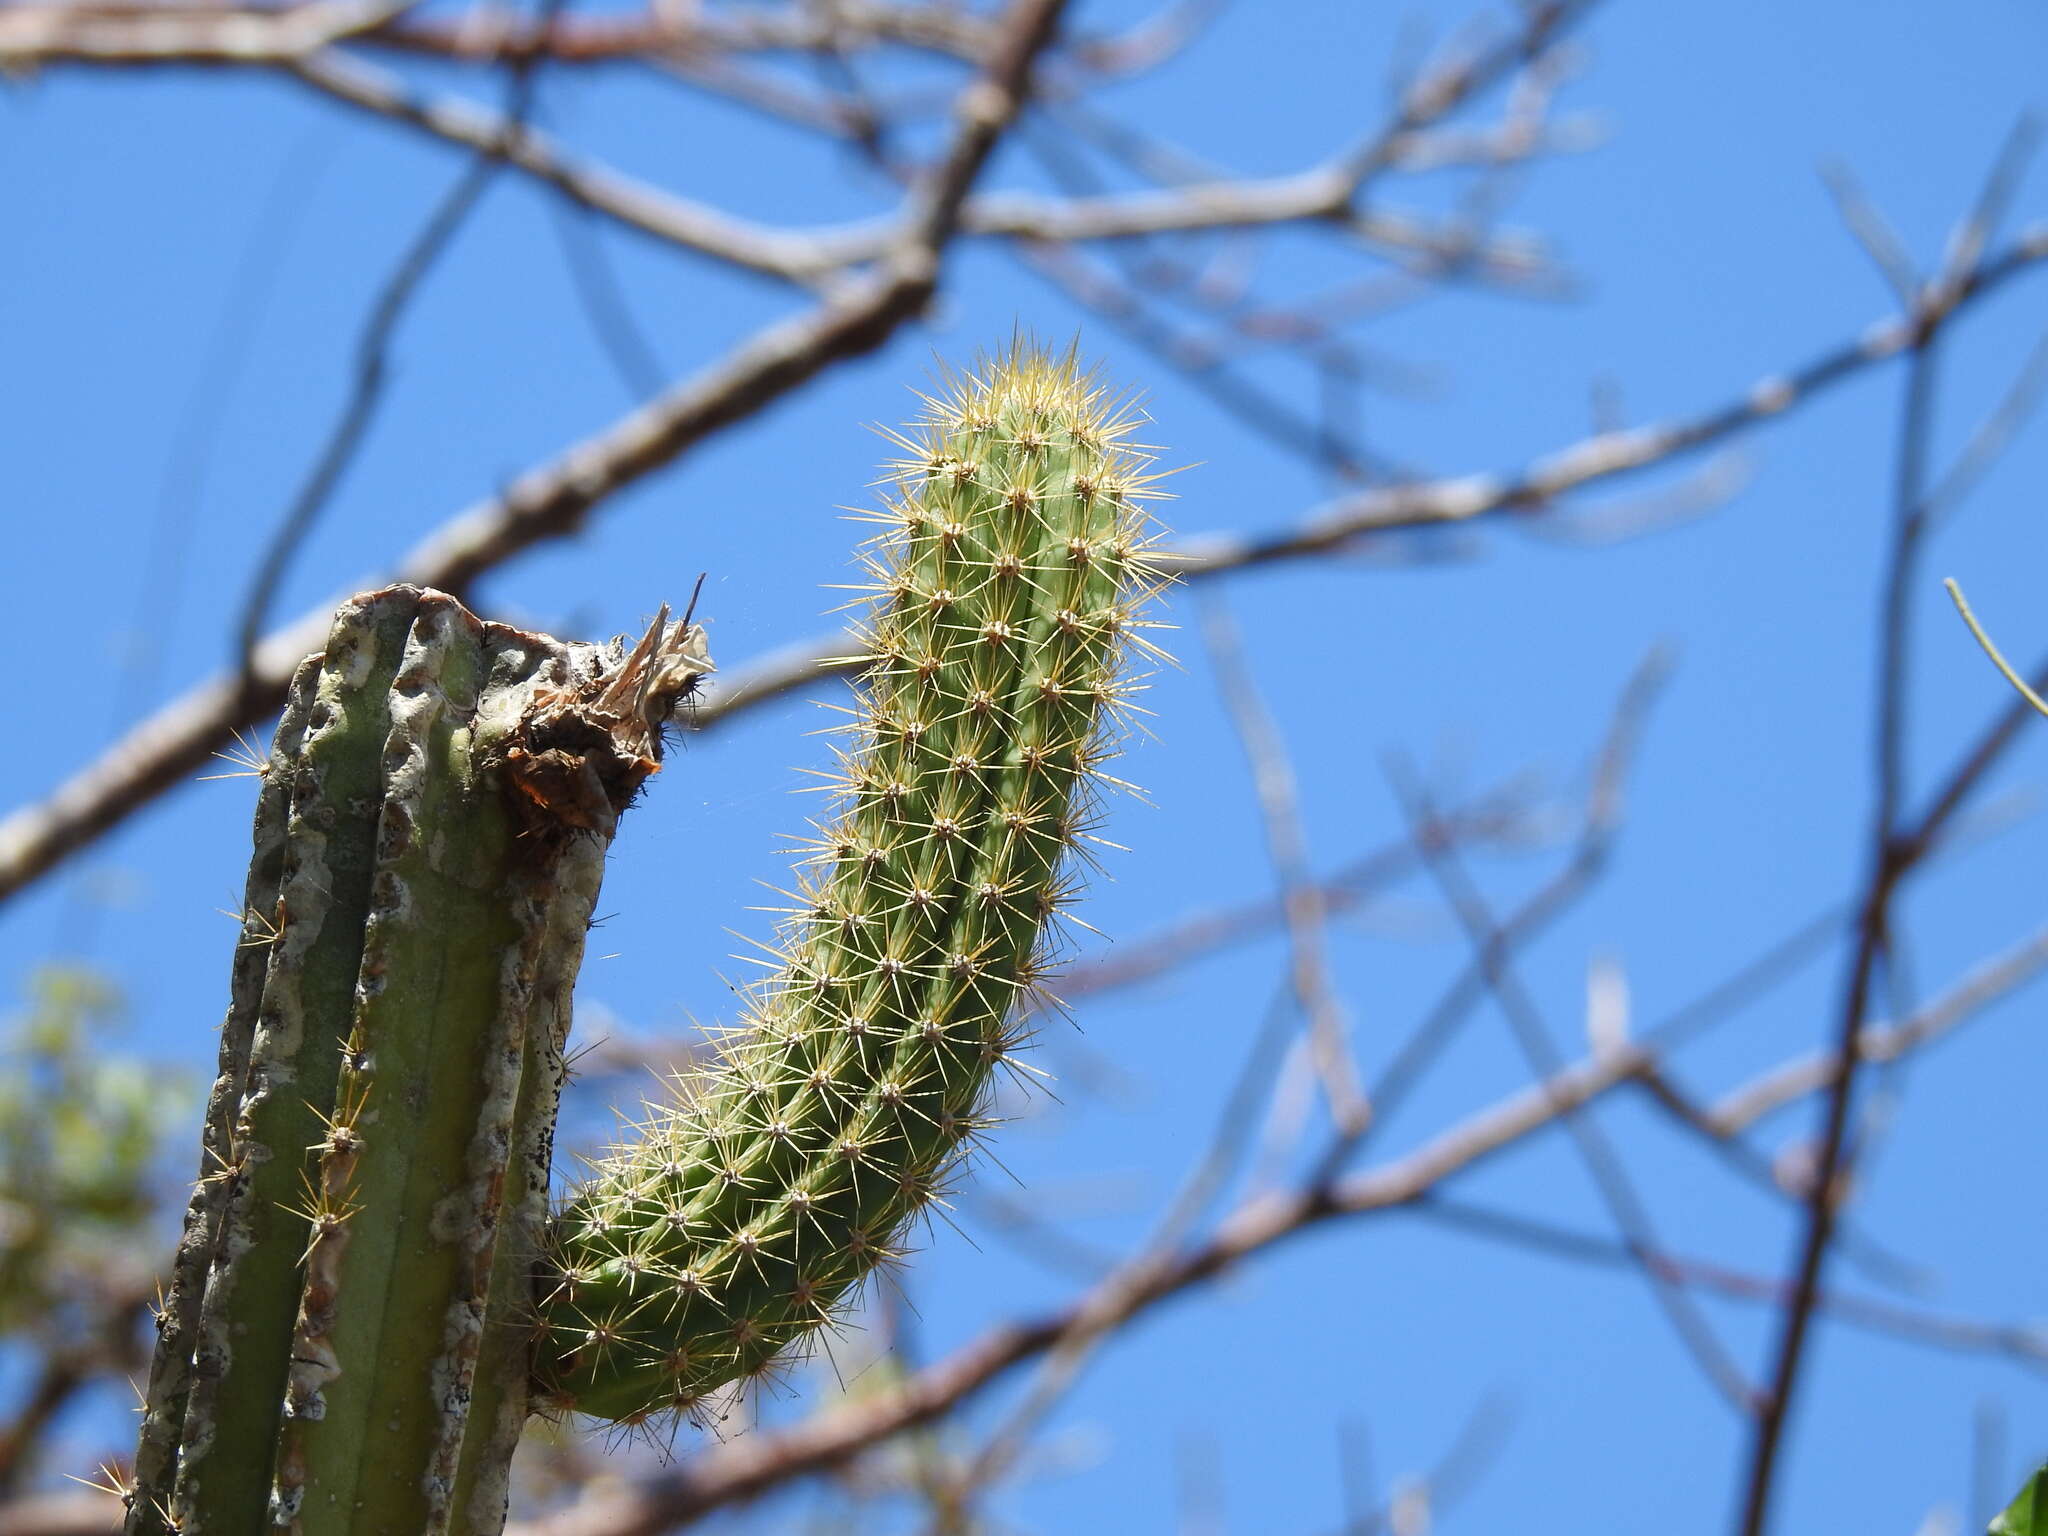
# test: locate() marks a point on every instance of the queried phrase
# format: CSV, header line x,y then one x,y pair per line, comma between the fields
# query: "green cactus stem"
x,y
347,1341
370,1297
747,1211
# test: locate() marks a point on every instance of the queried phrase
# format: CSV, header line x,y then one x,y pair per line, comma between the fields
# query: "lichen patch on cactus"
x,y
1002,595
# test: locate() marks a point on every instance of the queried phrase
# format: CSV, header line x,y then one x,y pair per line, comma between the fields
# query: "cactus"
x,y
1004,585
368,1302
430,833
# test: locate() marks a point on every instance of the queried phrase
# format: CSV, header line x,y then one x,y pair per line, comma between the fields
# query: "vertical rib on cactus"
x,y
347,1347
1004,586
173,1369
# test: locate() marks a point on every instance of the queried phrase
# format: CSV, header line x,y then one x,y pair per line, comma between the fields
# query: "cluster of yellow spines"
x,y
1004,591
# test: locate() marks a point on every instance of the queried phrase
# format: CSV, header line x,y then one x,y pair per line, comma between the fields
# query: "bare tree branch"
x,y
1187,257
152,33
300,41
1301,898
1504,815
33,36
1894,849
553,500
1491,944
1872,942
745,1468
1997,977
2023,1345
667,216
372,353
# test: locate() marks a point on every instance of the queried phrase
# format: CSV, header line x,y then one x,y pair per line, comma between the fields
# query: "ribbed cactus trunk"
x,y
369,1296
347,1343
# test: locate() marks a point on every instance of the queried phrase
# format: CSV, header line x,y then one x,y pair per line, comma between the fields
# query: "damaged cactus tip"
x,y
345,1343
744,1215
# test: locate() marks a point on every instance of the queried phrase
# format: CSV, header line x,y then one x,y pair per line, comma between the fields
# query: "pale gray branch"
x,y
1796,1080
553,500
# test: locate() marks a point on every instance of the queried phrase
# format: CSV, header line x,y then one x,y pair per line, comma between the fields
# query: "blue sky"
x,y
188,257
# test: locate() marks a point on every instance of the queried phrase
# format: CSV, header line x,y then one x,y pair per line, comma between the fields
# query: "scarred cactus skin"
x,y
1004,587
346,1345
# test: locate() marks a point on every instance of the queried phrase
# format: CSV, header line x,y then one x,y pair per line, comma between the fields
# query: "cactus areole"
x,y
370,1296
345,1342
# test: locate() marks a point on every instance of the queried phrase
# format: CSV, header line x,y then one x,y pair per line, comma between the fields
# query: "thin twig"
x,y
625,344
1984,640
372,362
1610,1177
1502,816
1438,1489
34,36
1307,918
1599,822
1972,235
1750,1163
1872,231
1793,1081
2022,1344
1890,861
667,216
1992,436
59,1377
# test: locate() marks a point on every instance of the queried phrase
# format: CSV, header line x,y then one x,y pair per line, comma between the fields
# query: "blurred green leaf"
x,y
2026,1515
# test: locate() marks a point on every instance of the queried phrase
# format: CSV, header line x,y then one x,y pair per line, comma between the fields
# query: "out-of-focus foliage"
x,y
2026,1515
80,1124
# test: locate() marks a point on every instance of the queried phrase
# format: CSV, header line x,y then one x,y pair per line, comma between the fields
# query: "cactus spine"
x,y
1004,586
429,840
369,1297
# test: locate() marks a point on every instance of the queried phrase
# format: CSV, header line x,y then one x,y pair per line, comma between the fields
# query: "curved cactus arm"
x,y
1013,559
449,794
369,1296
